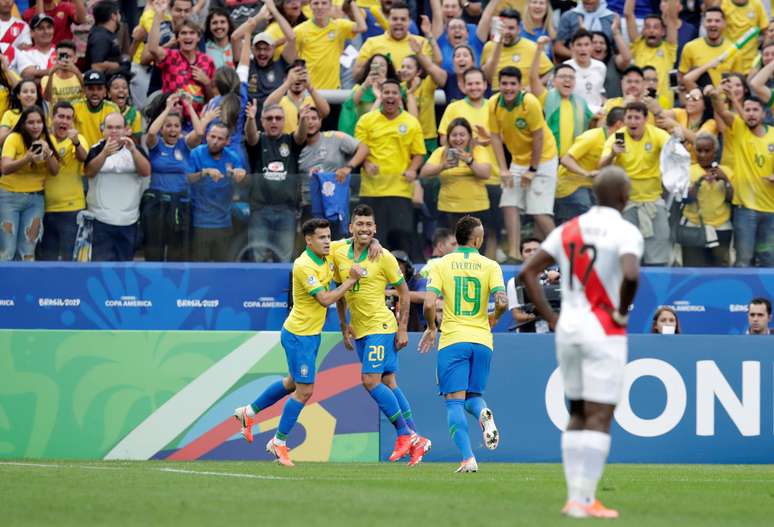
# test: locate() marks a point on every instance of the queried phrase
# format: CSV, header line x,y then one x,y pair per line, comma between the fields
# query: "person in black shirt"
x,y
275,182
102,51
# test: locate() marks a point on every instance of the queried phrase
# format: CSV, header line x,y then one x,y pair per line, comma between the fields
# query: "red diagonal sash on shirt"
x,y
595,292
13,31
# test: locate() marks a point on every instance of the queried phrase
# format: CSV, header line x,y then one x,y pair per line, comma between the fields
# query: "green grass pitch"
x,y
53,493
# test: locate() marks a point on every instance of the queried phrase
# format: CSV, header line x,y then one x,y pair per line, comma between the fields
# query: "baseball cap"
x,y
94,78
39,19
263,37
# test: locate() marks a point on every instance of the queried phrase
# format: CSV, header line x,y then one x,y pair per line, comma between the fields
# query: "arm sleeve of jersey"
x,y
418,141
683,67
534,113
193,165
347,28
434,280
444,123
306,275
365,52
580,147
392,270
361,130
94,152
608,148
513,299
553,244
348,144
496,283
631,242
545,63
494,126
9,147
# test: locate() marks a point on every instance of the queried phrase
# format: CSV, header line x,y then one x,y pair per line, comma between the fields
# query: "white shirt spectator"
x,y
33,57
114,193
590,83
13,32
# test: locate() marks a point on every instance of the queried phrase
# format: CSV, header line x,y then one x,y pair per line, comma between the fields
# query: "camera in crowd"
x,y
553,293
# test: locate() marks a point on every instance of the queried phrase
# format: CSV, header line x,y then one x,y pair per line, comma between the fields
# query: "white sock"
x,y
572,459
596,446
249,410
280,442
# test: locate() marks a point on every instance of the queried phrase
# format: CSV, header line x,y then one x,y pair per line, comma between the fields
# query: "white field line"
x,y
175,415
223,474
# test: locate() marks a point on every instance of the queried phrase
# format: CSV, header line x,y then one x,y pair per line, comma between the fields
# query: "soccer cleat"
x,y
280,452
597,510
491,434
419,448
402,447
240,414
468,465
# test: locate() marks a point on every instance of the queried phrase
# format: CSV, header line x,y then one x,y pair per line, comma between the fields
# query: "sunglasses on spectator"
x,y
693,97
273,117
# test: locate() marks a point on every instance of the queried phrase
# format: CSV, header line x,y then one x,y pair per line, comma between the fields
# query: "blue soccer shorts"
x,y
463,366
301,353
377,353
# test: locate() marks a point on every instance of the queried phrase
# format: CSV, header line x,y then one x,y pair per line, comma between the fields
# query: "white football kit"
x,y
590,346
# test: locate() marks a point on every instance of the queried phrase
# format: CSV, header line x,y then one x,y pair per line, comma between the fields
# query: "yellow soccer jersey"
x,y
586,150
291,112
739,19
425,96
311,274
476,116
63,89
369,315
461,191
642,161
465,280
321,48
519,55
392,143
146,21
516,124
64,192
26,179
712,199
397,50
699,52
10,118
663,58
753,160
618,102
88,121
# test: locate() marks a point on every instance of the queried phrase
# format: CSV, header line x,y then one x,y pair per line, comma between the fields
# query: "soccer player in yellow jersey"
x,y
637,149
517,123
752,143
312,274
465,280
321,41
377,335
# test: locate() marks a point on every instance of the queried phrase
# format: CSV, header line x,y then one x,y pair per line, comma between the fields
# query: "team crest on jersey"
x,y
521,123
750,15
311,280
284,150
303,370
60,14
648,147
402,129
516,57
771,148
178,155
331,35
270,76
660,53
330,266
61,152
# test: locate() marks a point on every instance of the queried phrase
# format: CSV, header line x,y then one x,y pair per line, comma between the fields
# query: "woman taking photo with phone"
x,y
28,156
463,169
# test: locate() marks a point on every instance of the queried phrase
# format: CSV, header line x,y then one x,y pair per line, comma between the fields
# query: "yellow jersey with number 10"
x,y
465,280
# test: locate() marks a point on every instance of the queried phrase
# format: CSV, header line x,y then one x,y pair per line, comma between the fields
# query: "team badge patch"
x,y
303,370
311,280
516,57
178,155
331,35
771,148
648,147
521,123
402,129
270,76
284,150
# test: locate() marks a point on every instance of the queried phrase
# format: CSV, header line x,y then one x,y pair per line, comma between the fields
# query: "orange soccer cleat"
x,y
597,510
240,414
402,447
419,448
281,452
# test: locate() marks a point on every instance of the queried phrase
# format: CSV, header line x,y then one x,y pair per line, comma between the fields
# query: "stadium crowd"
x,y
175,127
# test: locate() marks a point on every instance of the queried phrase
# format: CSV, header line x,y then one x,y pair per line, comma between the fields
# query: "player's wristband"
x,y
620,319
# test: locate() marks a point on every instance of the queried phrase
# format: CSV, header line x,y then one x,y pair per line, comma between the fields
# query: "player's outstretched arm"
x,y
428,337
630,265
326,298
529,276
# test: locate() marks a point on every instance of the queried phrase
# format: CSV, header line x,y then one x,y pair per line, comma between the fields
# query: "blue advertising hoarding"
x,y
687,399
255,297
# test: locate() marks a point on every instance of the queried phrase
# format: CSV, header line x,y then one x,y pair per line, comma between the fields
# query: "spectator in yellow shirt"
x,y
64,82
396,151
705,52
709,205
508,48
28,156
364,94
321,41
740,18
394,42
118,93
637,150
24,95
752,144
463,168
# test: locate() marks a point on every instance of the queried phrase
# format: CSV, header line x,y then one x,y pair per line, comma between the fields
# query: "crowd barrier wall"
x,y
189,296
78,394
